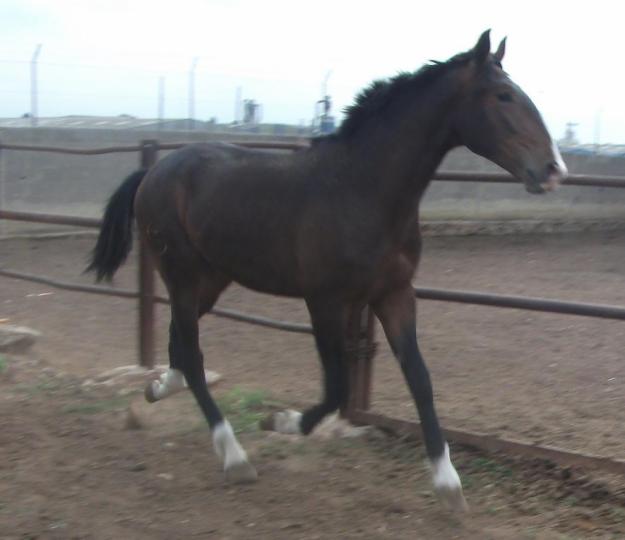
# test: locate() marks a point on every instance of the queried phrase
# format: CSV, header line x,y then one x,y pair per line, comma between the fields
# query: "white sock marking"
x,y
444,475
287,422
169,383
227,447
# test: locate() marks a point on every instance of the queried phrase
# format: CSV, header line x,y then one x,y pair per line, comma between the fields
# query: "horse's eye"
x,y
505,96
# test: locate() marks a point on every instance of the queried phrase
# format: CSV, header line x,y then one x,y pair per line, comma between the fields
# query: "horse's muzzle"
x,y
548,179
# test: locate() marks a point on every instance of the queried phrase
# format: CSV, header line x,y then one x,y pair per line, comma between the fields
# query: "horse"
x,y
336,223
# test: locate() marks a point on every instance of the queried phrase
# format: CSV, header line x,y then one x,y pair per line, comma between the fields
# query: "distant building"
x,y
324,123
251,112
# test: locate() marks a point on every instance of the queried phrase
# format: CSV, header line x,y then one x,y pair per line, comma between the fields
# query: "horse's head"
x,y
497,120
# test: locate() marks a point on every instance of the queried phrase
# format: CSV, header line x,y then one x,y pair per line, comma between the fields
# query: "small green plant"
x,y
244,408
47,386
491,466
96,407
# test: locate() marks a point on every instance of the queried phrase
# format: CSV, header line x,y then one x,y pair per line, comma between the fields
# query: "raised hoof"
x,y
149,392
452,499
285,422
242,472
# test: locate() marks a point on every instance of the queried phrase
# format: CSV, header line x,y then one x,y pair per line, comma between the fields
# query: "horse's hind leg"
x,y
172,380
329,322
187,303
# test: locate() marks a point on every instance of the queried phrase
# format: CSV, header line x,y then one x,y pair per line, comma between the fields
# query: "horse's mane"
x,y
374,99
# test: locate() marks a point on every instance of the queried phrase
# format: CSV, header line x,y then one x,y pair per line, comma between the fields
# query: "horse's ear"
x,y
482,48
501,51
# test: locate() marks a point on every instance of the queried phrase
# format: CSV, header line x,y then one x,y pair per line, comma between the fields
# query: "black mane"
x,y
376,97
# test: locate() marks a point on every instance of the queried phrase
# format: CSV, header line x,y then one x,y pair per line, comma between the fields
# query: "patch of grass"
x,y
245,408
47,386
482,464
96,407
571,500
618,513
3,363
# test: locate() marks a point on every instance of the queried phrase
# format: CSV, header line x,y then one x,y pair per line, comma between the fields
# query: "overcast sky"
x,y
106,57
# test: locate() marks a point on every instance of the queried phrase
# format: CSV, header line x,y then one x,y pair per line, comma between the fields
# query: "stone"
x,y
16,339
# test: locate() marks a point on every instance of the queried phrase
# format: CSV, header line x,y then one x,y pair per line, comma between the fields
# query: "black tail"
x,y
115,238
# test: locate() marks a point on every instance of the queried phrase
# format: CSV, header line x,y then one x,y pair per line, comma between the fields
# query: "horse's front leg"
x,y
396,312
328,317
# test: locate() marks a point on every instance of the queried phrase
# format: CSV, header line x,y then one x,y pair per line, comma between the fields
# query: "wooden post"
x,y
360,353
149,151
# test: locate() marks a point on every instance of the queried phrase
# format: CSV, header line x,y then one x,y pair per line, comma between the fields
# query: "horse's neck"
x,y
398,157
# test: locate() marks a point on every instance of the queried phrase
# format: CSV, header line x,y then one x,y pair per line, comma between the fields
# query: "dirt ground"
x,y
70,468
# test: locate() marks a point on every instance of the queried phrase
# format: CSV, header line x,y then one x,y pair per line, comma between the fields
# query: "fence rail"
x,y
361,347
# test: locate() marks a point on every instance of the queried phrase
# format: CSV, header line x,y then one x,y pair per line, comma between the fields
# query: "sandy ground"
x,y
70,469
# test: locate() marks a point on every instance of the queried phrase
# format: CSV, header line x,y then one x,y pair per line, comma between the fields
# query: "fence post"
x,y
3,202
149,151
361,350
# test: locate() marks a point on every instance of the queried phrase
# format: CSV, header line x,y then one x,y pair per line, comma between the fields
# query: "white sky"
x,y
105,57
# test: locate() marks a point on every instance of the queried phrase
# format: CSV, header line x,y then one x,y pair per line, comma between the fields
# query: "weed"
x,y
47,386
490,466
244,408
96,407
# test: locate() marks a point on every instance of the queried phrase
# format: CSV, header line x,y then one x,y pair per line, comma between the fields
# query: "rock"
x,y
130,378
16,339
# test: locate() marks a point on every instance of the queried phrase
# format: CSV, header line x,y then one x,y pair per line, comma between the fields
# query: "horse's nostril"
x,y
553,168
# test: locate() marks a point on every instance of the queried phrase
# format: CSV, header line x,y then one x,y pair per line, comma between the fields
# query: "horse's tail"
x,y
115,238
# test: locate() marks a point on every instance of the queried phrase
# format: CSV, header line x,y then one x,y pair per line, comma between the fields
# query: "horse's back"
x,y
197,171
236,208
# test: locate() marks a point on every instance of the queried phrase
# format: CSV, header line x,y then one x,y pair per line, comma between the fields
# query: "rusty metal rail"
x,y
51,219
127,293
261,145
522,302
491,443
74,151
500,178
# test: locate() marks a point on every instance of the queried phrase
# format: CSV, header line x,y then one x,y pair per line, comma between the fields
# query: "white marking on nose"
x,y
558,160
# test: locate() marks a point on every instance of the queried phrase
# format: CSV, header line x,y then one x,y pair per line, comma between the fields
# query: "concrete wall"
x,y
80,185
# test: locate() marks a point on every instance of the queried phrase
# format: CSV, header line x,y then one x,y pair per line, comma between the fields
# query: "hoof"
x,y
242,472
452,499
287,422
149,392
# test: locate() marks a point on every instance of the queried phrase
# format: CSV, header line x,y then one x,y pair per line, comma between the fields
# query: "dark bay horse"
x,y
336,224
